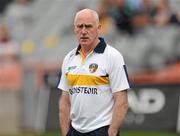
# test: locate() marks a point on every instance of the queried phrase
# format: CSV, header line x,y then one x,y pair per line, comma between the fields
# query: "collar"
x,y
99,48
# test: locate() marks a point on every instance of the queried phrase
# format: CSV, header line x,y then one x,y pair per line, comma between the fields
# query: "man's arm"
x,y
64,112
119,112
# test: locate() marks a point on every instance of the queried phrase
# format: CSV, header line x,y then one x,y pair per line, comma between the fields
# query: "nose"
x,y
83,30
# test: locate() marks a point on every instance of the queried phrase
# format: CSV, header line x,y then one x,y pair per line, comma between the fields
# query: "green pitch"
x,y
135,133
125,133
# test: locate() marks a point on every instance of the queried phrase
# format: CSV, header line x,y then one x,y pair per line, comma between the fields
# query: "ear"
x,y
99,28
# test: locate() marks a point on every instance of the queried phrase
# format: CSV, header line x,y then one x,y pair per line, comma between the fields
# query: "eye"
x,y
88,26
80,26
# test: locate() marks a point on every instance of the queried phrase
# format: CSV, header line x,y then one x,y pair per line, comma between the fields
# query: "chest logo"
x,y
93,67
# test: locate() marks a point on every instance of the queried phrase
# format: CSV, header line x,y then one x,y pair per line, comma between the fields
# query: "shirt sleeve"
x,y
63,84
117,73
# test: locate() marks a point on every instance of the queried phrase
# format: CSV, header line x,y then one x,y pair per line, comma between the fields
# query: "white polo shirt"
x,y
91,82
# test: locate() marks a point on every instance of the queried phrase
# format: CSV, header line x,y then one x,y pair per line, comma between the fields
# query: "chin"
x,y
84,44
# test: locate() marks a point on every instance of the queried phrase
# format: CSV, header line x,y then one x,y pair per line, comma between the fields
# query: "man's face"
x,y
86,29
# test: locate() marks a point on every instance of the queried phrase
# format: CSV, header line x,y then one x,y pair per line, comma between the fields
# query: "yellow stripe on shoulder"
x,y
86,80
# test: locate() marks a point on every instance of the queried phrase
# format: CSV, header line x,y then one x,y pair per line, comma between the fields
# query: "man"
x,y
94,83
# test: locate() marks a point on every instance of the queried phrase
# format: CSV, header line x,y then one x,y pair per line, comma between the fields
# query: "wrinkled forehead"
x,y
84,21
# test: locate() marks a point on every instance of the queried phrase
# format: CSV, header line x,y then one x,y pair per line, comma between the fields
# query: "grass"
x,y
149,133
125,133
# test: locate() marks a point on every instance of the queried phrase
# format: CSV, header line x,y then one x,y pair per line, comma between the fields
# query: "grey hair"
x,y
95,14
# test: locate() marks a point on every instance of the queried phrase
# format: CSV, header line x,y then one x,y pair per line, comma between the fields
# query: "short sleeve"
x,y
118,75
63,84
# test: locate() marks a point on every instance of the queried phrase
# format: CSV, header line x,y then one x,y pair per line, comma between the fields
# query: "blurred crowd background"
x,y
35,35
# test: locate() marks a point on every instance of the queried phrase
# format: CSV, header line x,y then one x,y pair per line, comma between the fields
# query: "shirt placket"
x,y
83,58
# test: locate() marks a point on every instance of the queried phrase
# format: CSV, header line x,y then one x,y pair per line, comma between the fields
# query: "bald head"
x,y
87,13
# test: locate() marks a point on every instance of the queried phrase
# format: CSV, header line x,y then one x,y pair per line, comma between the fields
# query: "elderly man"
x,y
94,83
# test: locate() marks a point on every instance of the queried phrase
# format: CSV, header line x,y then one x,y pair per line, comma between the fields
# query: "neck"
x,y
86,49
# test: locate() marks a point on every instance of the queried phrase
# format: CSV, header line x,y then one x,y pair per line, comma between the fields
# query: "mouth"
x,y
84,38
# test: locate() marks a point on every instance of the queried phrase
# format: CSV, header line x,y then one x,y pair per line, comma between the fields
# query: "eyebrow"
x,y
84,25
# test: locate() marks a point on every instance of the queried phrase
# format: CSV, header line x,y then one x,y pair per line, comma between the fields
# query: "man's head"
x,y
86,27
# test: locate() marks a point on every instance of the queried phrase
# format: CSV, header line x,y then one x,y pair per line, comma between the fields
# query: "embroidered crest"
x,y
93,67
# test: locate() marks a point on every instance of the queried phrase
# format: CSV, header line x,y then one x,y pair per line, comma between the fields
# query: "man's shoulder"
x,y
113,51
71,53
114,55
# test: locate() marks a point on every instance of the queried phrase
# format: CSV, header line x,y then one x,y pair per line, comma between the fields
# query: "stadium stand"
x,y
51,19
